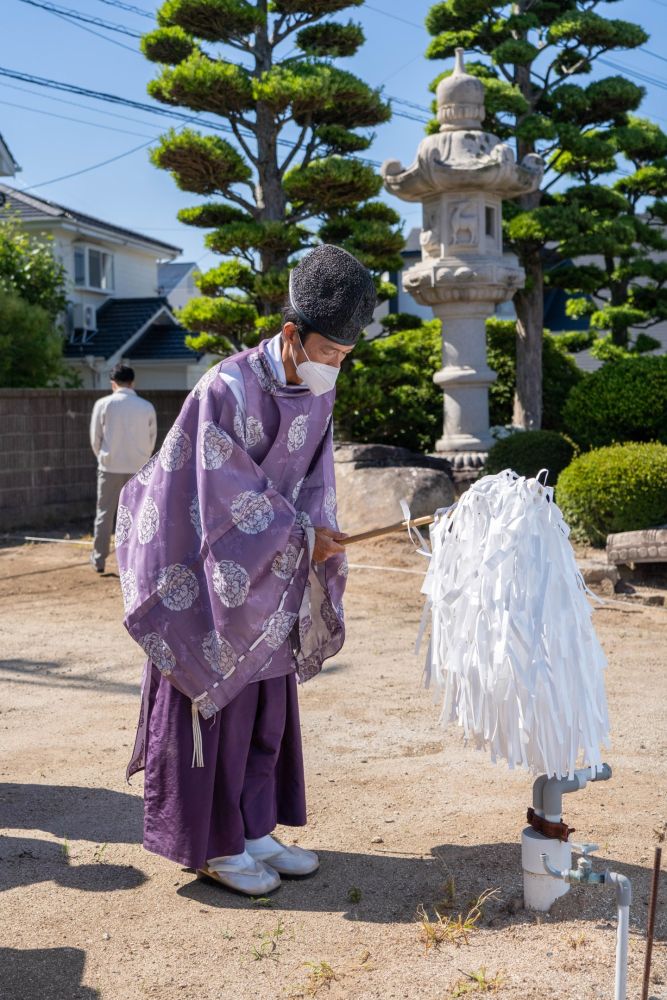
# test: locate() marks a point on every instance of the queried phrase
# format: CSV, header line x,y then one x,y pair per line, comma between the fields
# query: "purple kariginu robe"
x,y
213,531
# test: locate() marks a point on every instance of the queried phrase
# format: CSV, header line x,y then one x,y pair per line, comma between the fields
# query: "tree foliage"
x,y
32,302
289,174
536,62
31,348
29,268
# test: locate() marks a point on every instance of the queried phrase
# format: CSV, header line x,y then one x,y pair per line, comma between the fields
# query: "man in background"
x,y
123,429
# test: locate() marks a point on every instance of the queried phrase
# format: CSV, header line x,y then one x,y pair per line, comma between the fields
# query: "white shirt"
x,y
232,373
123,429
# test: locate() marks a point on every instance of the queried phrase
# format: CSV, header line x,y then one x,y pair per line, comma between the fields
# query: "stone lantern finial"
x,y
461,175
460,99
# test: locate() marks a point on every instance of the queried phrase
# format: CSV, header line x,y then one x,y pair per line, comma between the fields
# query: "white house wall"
x,y
135,271
135,274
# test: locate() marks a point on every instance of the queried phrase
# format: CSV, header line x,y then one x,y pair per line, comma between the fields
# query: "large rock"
x,y
647,546
372,479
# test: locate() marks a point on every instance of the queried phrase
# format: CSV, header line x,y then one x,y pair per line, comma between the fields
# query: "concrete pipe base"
x,y
541,890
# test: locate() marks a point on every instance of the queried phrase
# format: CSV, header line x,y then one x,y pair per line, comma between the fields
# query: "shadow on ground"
x,y
44,974
72,812
54,673
27,861
391,888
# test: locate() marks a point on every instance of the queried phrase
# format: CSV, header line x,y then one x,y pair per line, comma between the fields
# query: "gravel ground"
x,y
404,816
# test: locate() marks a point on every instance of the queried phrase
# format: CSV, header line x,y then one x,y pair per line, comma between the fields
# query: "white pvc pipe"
x,y
621,982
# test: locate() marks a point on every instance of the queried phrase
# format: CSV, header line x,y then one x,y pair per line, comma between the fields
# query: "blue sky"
x,y
39,128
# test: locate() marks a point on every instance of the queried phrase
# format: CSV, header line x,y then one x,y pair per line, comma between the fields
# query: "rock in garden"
x,y
371,480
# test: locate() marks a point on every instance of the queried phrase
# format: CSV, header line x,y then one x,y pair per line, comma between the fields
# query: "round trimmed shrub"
x,y
620,488
622,401
526,452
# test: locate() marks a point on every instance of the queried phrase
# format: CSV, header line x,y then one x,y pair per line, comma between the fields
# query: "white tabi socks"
x,y
292,861
243,873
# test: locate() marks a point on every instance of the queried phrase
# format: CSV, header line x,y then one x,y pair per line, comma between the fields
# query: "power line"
x,y
656,55
91,31
86,170
100,95
87,18
80,121
643,77
409,104
130,8
77,104
395,17
138,105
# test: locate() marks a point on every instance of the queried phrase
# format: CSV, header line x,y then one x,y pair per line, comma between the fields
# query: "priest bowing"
x,y
233,577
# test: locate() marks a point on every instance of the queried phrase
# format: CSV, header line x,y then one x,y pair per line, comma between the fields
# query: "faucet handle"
x,y
585,849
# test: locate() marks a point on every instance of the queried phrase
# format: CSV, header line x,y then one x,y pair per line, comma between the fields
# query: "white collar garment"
x,y
232,375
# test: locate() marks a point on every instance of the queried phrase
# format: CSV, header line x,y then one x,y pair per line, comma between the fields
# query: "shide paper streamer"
x,y
513,651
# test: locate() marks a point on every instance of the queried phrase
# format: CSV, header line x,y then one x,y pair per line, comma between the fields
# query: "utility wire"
x,y
100,95
395,17
80,121
138,105
91,31
130,8
77,104
86,170
87,18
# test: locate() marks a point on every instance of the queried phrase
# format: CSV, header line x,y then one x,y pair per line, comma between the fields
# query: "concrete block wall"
x,y
47,468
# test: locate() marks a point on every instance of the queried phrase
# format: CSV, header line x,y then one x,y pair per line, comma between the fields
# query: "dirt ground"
x,y
404,816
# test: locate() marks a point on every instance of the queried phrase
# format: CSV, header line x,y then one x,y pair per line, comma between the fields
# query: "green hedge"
x,y
622,401
619,488
386,394
526,452
386,391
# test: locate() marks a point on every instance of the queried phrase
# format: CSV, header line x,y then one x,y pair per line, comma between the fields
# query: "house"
x,y
555,300
176,281
8,165
116,310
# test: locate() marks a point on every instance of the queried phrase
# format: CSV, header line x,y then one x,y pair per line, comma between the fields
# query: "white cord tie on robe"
x,y
197,745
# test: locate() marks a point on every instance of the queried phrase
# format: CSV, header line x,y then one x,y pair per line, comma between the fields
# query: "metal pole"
x,y
650,929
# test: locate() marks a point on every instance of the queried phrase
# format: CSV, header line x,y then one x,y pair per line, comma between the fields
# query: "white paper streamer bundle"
x,y
513,647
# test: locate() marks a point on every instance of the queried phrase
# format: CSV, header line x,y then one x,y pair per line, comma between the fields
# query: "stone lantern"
x,y
461,175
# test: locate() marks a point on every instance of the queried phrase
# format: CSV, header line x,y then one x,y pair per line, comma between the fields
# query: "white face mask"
x,y
318,377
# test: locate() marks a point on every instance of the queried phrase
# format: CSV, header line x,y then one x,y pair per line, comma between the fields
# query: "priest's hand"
x,y
326,544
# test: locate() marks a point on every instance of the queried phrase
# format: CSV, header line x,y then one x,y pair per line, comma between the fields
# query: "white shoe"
x,y
242,873
292,861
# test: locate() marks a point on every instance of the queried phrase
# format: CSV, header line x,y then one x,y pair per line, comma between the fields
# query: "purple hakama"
x,y
253,778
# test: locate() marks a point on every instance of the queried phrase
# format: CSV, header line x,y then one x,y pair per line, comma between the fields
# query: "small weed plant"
x,y
268,946
452,929
475,982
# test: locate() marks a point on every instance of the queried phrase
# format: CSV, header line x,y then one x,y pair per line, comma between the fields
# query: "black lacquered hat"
x,y
333,293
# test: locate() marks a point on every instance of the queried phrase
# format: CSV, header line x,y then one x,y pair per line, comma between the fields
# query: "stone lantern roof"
x,y
460,99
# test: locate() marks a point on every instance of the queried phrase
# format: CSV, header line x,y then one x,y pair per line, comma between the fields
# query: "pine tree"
x,y
290,174
540,53
625,287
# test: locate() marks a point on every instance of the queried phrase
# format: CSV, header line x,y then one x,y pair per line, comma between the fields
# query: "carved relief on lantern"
x,y
430,238
463,224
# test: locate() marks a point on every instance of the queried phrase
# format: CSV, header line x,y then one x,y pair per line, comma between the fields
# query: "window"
x,y
93,268
490,221
79,266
